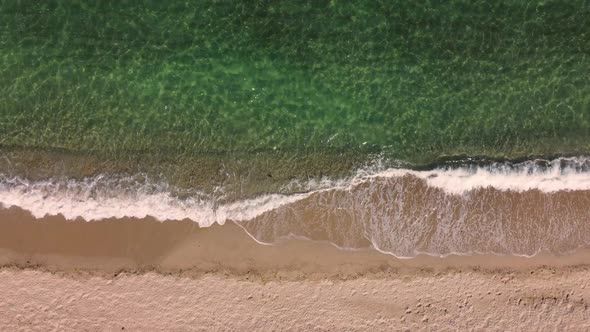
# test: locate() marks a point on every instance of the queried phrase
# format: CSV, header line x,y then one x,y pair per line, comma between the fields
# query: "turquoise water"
x,y
417,80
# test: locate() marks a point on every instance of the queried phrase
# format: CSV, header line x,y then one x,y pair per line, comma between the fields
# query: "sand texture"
x,y
145,275
545,300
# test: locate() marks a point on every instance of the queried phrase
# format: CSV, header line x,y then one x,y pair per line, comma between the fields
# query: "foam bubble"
x,y
99,198
104,197
563,174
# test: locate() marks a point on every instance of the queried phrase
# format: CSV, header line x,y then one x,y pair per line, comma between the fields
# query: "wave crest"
x,y
501,208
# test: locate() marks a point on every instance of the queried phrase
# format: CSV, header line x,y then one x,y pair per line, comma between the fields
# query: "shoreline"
x,y
110,247
242,175
147,275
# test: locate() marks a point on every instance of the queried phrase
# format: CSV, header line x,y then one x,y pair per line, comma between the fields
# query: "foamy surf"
x,y
103,197
501,208
563,174
100,198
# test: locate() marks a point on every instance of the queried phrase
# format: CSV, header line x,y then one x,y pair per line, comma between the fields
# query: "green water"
x,y
414,80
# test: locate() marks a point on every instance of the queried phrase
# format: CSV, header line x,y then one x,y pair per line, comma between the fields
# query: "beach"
x,y
270,165
471,301
497,247
145,275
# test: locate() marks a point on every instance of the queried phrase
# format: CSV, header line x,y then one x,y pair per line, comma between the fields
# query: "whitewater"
x,y
501,208
103,197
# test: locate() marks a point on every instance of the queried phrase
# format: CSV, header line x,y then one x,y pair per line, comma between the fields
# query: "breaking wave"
x,y
502,208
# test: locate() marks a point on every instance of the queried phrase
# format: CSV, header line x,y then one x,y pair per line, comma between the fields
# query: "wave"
x,y
405,216
501,208
544,175
102,197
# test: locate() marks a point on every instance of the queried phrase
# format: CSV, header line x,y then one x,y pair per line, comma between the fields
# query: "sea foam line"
x,y
82,199
562,174
102,198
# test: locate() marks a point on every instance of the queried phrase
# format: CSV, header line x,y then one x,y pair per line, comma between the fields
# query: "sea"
x,y
411,127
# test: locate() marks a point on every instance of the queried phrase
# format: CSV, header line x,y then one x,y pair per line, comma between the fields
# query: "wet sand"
x,y
142,274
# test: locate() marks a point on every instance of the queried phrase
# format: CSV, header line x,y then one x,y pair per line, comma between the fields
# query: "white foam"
x,y
101,198
83,200
521,177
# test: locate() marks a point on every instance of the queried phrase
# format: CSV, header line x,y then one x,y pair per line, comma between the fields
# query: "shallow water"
x,y
519,209
414,80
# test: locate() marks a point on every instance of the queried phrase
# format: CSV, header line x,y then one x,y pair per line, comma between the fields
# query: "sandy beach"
x,y
467,300
295,166
146,275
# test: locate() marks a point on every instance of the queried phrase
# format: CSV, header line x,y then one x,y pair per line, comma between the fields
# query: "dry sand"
x,y
36,300
143,275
